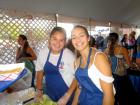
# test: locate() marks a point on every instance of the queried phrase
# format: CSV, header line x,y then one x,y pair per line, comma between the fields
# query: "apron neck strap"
x,y
59,60
88,60
48,55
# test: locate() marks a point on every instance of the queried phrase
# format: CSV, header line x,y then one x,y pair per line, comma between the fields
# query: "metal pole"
x,y
56,18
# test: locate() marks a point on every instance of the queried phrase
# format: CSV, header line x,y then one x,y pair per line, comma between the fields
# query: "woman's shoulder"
x,y
100,55
44,50
29,48
101,63
68,52
120,48
96,54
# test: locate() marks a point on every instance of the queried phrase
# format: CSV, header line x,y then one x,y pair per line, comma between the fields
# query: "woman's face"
x,y
125,36
57,42
80,39
20,41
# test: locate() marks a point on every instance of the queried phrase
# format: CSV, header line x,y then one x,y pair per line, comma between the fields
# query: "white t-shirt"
x,y
66,66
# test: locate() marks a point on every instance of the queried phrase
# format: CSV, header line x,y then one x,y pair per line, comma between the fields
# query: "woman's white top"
x,y
95,75
66,66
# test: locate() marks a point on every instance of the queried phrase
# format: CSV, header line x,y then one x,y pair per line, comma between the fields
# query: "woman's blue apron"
x,y
55,85
90,94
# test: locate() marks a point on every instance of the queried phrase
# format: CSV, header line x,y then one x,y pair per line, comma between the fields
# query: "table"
x,y
5,84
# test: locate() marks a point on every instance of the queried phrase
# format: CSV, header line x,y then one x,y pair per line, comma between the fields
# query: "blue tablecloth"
x,y
5,84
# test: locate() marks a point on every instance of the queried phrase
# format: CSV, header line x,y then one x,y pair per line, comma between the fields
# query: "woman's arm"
x,y
74,82
72,87
126,56
64,99
76,96
32,53
107,87
17,54
39,79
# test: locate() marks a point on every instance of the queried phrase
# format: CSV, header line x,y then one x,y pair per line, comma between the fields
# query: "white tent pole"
x,y
90,25
109,23
56,18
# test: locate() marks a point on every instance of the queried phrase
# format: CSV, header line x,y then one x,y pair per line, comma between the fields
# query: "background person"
x,y
26,54
119,60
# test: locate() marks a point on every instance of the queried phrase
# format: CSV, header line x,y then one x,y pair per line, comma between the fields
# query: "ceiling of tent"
x,y
122,11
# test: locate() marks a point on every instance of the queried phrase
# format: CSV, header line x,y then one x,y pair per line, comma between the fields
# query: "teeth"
x,y
79,44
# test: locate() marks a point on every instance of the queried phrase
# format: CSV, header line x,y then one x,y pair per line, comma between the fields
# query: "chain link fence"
x,y
35,28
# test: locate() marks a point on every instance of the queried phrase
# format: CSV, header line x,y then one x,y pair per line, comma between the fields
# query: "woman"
x,y
124,41
26,54
132,46
118,57
93,72
57,64
138,52
115,50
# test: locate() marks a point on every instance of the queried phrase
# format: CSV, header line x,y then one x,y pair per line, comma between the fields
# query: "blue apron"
x,y
90,94
55,85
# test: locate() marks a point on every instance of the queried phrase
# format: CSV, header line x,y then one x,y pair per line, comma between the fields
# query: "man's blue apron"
x,y
55,85
90,94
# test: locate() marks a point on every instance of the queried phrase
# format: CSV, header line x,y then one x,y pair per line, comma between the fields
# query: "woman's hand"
x,y
64,99
39,95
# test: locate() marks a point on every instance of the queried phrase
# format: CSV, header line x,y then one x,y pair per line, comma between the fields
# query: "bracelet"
x,y
67,94
40,89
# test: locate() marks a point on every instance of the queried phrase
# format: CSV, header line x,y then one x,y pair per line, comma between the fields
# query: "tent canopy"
x,y
120,11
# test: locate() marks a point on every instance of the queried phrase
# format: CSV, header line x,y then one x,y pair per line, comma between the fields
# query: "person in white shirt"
x,y
56,63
